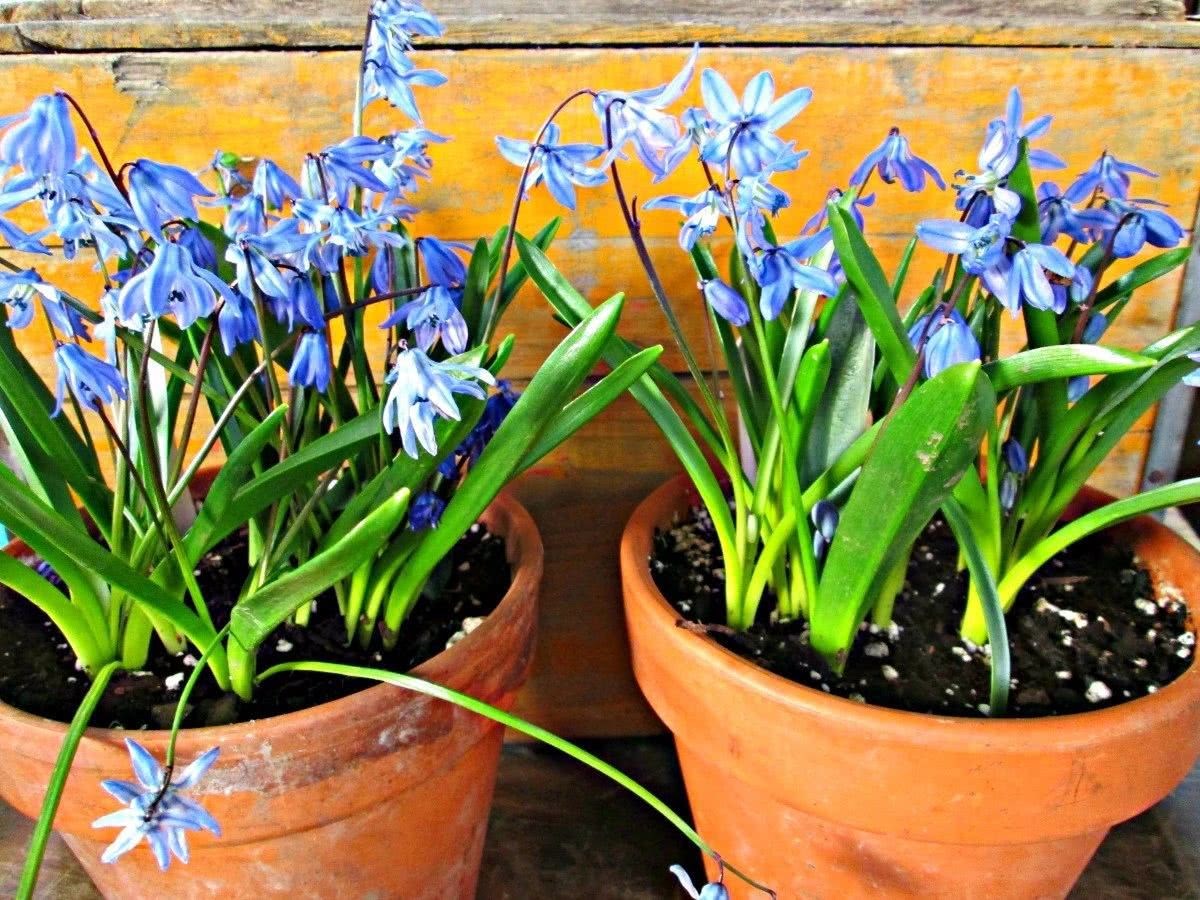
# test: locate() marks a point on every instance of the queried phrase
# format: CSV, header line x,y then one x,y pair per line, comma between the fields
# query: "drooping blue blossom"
x,y
330,176
433,316
714,890
301,307
397,22
238,322
639,118
745,138
156,809
247,215
273,185
442,264
159,193
172,283
495,411
408,162
819,218
702,213
14,237
201,249
311,366
93,381
1015,457
1001,146
1138,225
41,140
357,234
981,248
426,511
1058,215
1027,281
1109,175
1010,485
1077,291
22,291
948,341
383,79
779,269
726,302
560,166
255,271
421,391
895,161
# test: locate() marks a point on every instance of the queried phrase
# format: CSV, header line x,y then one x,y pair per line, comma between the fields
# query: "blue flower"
x,y
728,303
1108,175
202,251
92,381
330,175
42,140
1010,484
433,316
172,283
274,185
817,220
155,808
702,213
982,196
14,237
422,390
981,248
745,135
495,411
1015,457
948,341
311,366
301,306
1137,226
383,78
159,193
825,517
255,271
247,215
394,25
19,291
894,161
1192,379
238,322
1027,281
714,890
1001,147
560,166
357,234
442,265
1058,215
638,117
778,269
1077,291
426,511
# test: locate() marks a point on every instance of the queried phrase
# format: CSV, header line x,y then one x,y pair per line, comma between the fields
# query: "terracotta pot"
x,y
383,793
827,798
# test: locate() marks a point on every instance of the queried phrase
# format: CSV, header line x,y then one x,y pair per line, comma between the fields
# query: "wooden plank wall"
x,y
177,81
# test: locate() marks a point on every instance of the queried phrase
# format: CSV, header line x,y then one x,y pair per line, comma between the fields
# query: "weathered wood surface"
x,y
1142,104
43,25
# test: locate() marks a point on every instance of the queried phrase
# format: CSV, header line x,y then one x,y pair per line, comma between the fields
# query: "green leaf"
x,y
590,403
1151,270
92,650
873,293
921,453
475,287
842,410
255,617
1062,361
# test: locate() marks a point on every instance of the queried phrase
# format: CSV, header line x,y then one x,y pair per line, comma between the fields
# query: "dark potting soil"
x,y
38,673
1087,631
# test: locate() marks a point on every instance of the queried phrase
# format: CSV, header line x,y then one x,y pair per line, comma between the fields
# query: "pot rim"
x,y
504,516
1001,734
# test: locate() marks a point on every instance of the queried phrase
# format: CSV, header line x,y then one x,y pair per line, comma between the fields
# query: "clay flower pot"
x,y
821,797
383,793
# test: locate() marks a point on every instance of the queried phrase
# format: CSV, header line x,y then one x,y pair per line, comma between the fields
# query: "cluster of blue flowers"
x,y
286,242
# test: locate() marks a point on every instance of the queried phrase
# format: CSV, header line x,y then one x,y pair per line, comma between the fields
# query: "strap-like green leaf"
x,y
266,609
1062,361
922,451
841,412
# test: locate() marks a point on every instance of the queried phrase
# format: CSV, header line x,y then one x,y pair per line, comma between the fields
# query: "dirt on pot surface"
x,y
38,672
1087,631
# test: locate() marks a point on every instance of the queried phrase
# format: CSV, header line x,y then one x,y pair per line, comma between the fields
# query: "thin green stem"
x,y
488,711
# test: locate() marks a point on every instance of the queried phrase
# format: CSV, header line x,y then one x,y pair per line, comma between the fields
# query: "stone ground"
x,y
560,831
